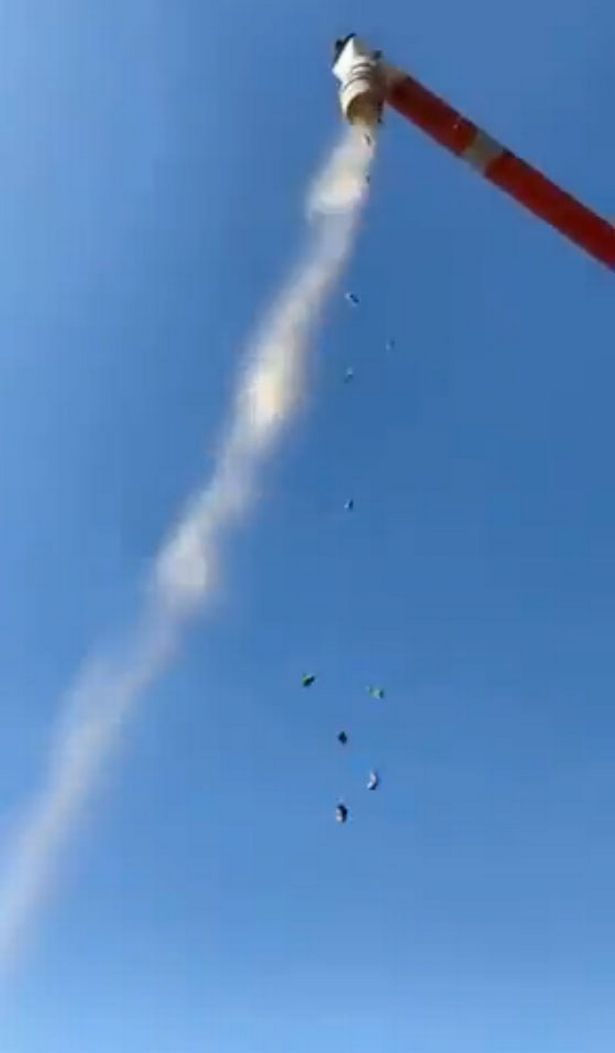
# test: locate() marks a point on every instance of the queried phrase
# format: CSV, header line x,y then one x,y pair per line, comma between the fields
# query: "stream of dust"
x,y
184,574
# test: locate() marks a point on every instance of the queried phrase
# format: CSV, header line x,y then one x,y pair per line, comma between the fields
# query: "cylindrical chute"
x,y
362,82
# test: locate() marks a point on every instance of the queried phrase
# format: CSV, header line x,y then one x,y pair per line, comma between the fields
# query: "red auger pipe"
x,y
520,180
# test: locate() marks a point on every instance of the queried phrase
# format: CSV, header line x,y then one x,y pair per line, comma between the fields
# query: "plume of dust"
x,y
184,573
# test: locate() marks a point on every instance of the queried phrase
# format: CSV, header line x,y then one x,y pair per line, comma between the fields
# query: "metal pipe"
x,y
367,83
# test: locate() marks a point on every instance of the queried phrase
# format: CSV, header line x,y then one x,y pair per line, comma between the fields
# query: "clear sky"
x,y
154,160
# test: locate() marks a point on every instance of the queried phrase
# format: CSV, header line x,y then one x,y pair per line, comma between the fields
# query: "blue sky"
x,y
154,164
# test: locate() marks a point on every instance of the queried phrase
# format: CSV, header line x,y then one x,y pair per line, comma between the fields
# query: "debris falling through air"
x,y
185,572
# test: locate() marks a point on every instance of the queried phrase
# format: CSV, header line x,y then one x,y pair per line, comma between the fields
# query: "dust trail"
x,y
185,572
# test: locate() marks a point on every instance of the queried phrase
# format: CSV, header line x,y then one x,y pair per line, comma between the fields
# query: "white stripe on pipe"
x,y
482,151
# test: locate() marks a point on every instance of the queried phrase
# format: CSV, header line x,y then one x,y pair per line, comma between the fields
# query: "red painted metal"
x,y
520,180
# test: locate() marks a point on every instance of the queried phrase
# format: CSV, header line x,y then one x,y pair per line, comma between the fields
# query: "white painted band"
x,y
482,151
